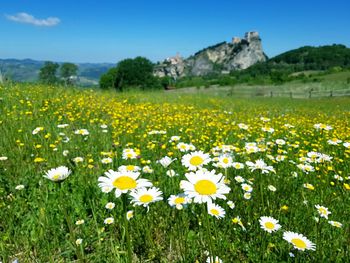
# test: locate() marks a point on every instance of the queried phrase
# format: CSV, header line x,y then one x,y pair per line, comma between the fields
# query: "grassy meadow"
x,y
172,177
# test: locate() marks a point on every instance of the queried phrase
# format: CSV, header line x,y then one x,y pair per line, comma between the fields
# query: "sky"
x,y
111,30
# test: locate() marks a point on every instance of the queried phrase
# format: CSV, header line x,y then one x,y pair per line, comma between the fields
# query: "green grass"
x,y
38,222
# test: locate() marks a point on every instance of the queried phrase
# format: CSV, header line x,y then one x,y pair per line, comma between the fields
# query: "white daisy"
x,y
147,169
174,138
323,211
83,132
247,195
212,260
239,179
165,161
37,130
246,187
183,147
195,160
237,166
109,221
224,161
80,222
299,241
130,154
243,126
216,210
231,204
280,142
204,186
144,196
271,188
110,205
61,126
336,224
19,187
78,159
260,165
269,224
129,168
58,174
178,201
122,182
107,160
129,214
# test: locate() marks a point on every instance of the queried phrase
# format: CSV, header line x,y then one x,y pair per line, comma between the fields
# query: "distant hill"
x,y
283,67
27,70
315,58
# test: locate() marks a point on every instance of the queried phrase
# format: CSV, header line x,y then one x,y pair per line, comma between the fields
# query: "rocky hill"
x,y
220,58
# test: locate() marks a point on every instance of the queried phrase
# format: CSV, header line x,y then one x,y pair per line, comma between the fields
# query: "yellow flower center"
x,y
179,200
124,183
225,161
205,187
146,198
214,212
323,211
130,167
196,160
56,176
269,225
299,243
337,224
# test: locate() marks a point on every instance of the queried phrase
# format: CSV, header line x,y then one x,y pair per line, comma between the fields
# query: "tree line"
x,y
67,73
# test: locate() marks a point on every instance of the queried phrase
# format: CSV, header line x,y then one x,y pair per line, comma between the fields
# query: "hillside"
x,y
315,58
27,70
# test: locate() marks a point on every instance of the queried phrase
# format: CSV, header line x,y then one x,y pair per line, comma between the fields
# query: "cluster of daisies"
x,y
300,242
200,185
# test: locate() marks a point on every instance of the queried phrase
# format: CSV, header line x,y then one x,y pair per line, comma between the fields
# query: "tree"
x,y
47,73
108,79
67,71
137,72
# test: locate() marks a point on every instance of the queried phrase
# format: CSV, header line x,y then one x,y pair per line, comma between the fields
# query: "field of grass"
x,y
247,177
319,82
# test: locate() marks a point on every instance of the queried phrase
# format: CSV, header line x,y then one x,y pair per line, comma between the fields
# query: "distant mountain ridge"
x,y
321,58
27,70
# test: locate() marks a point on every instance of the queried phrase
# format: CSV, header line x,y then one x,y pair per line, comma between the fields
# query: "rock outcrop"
x,y
220,58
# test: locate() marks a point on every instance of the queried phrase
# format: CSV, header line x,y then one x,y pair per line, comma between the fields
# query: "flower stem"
x,y
207,228
126,225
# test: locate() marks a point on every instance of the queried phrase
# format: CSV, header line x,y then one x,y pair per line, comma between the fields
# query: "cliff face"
x,y
220,58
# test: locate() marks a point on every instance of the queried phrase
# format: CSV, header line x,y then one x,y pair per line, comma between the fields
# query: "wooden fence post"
x,y
310,94
291,95
331,93
271,94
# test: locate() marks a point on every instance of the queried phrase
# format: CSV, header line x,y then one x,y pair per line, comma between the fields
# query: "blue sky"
x,y
111,30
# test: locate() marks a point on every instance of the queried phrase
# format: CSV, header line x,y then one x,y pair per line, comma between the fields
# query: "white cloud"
x,y
29,19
